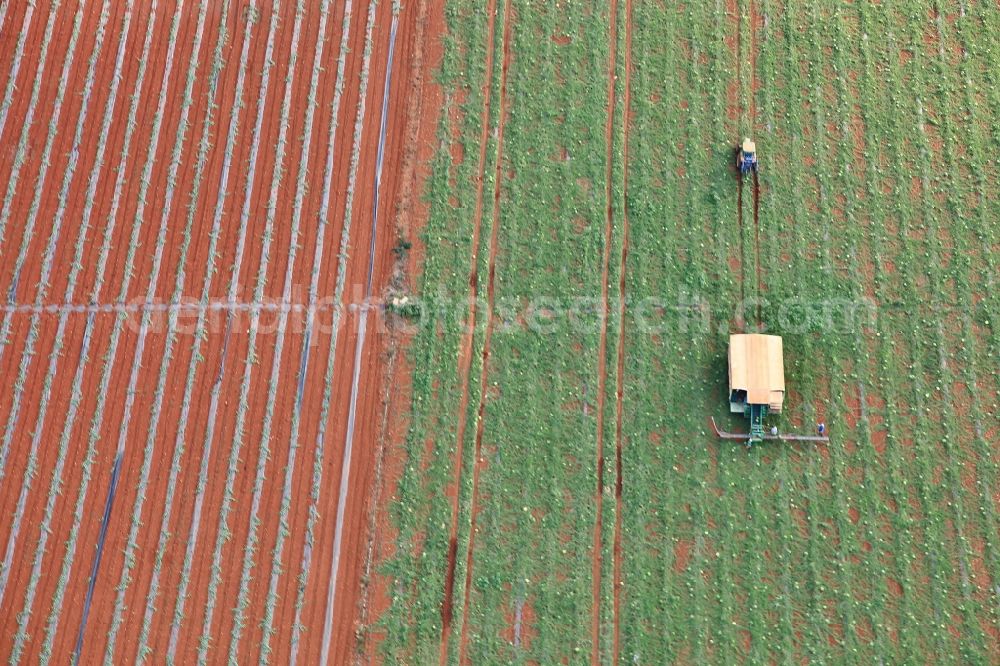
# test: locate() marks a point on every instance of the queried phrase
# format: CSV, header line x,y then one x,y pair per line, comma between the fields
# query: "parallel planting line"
x,y
161,238
465,351
602,348
4,6
57,221
33,333
264,454
488,335
29,230
52,623
15,66
21,155
132,545
317,478
42,288
56,483
345,468
173,307
201,333
203,472
321,222
345,239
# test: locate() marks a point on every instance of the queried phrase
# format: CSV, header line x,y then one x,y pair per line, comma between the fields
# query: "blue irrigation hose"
x,y
108,504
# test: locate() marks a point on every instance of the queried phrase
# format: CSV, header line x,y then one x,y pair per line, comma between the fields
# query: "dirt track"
x,y
183,404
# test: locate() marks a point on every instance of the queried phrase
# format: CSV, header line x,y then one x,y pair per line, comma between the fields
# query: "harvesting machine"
x,y
757,387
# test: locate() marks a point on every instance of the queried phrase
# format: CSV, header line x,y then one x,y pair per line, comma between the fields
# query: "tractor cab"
x,y
746,159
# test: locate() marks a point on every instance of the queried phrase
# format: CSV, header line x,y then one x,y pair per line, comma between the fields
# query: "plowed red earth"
x,y
91,367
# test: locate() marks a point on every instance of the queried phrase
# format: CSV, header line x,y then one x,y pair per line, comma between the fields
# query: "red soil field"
x,y
116,378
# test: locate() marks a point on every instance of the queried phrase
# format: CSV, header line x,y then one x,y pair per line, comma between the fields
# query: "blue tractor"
x,y
746,158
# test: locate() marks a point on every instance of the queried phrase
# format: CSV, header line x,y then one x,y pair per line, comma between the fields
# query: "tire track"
x,y
602,348
620,395
490,299
465,352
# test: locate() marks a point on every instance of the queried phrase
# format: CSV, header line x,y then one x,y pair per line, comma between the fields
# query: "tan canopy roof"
x,y
756,366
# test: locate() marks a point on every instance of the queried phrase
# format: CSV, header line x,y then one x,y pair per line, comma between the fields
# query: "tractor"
x,y
746,157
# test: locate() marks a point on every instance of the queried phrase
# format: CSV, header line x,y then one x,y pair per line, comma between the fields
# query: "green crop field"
x,y
877,126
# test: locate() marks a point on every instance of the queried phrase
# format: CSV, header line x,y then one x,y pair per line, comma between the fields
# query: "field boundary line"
x,y
498,175
465,351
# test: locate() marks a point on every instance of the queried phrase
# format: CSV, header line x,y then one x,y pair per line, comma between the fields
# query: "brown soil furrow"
x,y
602,349
264,454
465,351
488,335
326,626
619,398
235,115
118,564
